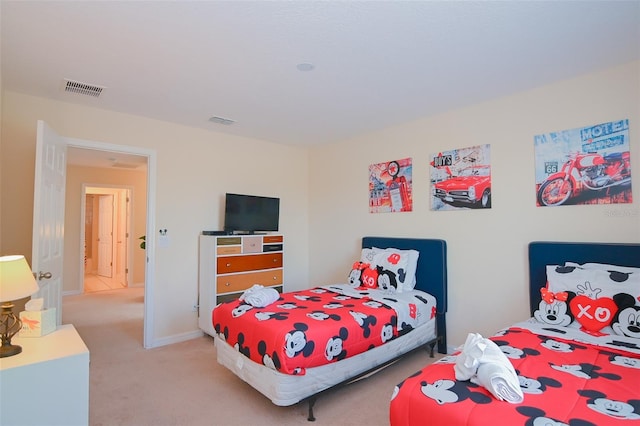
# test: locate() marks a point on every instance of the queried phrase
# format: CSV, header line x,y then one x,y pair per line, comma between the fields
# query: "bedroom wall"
x,y
194,169
325,214
487,261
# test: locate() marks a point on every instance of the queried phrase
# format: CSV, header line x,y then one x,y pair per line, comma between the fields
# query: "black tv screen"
x,y
251,213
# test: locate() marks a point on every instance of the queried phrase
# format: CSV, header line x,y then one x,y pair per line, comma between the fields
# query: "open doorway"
x,y
109,194
107,245
53,248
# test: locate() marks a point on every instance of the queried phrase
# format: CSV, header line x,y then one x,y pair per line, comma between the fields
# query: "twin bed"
x,y
577,358
312,340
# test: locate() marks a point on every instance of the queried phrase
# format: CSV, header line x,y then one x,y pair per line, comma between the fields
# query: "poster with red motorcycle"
x,y
390,186
461,179
586,165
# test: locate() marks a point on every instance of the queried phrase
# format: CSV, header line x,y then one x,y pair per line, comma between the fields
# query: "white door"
x,y
122,236
48,216
105,235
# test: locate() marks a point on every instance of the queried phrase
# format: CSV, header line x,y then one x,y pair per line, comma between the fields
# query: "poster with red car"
x,y
586,165
461,178
390,186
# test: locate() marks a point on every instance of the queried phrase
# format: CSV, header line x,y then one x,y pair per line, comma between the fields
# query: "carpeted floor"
x,y
182,384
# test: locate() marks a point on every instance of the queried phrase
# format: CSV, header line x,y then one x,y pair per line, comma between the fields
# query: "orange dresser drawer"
x,y
272,239
229,264
241,282
229,250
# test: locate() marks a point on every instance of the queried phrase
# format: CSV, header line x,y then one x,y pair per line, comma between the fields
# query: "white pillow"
x,y
593,305
369,255
605,266
594,283
402,263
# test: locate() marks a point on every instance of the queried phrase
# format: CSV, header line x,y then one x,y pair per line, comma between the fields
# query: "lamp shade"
x,y
16,278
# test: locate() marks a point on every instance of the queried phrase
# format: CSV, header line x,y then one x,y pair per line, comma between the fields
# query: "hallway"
x,y
94,282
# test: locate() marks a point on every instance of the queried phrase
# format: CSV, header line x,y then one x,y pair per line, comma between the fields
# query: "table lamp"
x,y
16,282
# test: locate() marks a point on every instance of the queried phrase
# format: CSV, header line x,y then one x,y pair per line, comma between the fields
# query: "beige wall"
x,y
194,170
324,192
486,248
73,246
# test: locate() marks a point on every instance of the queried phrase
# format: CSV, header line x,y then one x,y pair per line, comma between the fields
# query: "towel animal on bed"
x,y
260,296
484,363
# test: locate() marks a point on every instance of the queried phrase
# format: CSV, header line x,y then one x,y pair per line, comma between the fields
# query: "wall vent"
x,y
124,165
80,88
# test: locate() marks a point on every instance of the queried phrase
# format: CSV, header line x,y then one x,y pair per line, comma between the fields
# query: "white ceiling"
x,y
376,63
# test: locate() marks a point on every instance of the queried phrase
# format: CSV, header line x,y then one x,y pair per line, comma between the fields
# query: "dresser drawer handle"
x,y
228,264
275,278
227,284
275,260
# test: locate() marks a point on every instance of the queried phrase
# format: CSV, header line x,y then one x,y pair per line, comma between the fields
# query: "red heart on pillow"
x,y
593,314
369,278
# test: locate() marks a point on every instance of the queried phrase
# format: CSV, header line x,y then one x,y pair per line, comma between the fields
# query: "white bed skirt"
x,y
285,389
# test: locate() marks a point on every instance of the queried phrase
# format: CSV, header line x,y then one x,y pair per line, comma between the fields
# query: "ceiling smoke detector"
x,y
72,86
305,66
223,121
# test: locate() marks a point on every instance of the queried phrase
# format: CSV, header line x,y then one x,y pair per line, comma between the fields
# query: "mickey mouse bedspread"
x,y
565,382
321,325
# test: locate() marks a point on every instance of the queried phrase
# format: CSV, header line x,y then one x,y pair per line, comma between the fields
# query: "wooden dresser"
x,y
230,264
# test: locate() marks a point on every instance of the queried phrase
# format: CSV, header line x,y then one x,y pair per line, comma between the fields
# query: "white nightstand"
x,y
48,382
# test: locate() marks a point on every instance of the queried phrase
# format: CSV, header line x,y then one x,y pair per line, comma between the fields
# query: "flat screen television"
x,y
251,213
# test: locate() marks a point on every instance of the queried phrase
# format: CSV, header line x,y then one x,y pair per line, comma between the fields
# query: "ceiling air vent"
x,y
220,120
80,88
124,165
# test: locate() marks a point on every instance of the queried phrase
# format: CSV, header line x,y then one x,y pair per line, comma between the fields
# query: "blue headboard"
x,y
543,253
431,272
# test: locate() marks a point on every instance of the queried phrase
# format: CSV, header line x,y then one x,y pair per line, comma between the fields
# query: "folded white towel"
x,y
482,362
469,358
259,296
500,380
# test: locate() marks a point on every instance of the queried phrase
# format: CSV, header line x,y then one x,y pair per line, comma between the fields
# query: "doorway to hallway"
x,y
95,283
107,218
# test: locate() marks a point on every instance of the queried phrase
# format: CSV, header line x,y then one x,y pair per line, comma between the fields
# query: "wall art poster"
x,y
587,165
461,178
390,186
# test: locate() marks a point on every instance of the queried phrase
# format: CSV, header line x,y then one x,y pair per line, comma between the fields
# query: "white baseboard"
x,y
177,338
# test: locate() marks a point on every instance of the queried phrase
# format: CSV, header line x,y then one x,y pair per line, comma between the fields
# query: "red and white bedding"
x,y
565,380
322,325
577,360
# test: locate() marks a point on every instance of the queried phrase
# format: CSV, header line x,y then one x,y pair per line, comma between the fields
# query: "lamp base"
x,y
9,326
9,350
